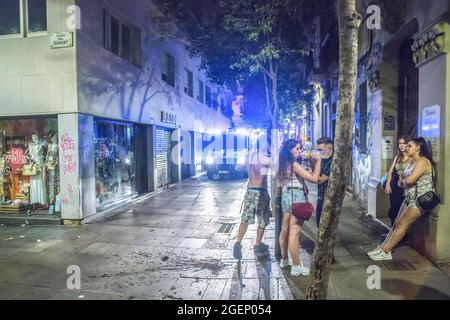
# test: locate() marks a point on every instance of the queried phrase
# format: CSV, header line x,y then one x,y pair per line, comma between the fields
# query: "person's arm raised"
x,y
308,175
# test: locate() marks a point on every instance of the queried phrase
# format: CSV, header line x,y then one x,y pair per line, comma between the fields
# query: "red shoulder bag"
x,y
301,210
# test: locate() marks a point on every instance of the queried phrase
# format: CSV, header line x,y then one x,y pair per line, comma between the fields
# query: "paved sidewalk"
x,y
178,244
408,276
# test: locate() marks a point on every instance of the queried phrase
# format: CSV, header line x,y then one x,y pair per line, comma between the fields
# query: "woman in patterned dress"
x,y
417,180
395,192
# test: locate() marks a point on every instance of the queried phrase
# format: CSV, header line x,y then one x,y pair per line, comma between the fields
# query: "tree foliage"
x,y
243,41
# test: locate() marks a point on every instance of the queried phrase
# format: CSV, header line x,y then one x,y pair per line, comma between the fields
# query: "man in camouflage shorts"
x,y
256,203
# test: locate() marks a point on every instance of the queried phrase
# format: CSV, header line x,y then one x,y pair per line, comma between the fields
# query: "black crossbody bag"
x,y
429,200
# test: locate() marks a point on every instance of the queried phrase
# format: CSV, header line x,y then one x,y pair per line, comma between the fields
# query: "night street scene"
x,y
224,150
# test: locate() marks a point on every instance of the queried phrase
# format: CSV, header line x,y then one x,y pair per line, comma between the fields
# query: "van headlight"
x,y
241,160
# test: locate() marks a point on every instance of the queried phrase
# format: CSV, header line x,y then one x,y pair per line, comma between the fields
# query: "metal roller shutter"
x,y
162,144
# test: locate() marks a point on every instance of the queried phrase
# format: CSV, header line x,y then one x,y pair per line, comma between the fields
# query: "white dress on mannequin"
x,y
37,185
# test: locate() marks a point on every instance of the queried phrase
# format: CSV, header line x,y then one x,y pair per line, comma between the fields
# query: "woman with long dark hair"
x,y
418,179
290,178
395,192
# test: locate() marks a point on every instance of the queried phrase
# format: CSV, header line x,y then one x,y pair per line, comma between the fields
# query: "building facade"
x,y
403,89
94,108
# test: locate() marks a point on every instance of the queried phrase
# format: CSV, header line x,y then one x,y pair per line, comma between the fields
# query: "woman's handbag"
x,y
30,169
301,210
429,200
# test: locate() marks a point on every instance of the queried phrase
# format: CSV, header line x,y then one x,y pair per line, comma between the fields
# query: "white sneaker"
x,y
284,264
374,252
380,256
299,270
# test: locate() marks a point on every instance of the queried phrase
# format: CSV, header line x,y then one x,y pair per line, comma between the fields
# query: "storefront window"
x,y
29,166
114,162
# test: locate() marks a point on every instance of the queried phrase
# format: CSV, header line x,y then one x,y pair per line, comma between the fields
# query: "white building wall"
x,y
35,79
114,88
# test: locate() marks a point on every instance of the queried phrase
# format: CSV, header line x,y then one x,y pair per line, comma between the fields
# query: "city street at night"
x,y
193,154
177,244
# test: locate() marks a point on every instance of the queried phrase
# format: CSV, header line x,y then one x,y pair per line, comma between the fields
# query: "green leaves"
x,y
240,41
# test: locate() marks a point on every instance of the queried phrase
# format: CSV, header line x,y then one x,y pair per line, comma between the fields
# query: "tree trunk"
x,y
276,105
269,109
349,21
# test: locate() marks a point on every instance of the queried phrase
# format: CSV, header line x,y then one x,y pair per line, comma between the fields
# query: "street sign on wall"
x,y
430,128
61,40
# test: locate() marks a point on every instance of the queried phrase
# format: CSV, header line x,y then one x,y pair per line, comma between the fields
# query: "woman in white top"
x,y
290,178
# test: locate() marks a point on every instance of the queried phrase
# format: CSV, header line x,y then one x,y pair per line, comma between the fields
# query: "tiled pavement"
x,y
170,246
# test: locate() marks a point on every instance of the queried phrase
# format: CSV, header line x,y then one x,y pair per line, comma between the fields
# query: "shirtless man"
x,y
256,203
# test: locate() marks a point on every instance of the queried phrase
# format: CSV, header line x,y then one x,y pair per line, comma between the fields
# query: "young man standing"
x,y
325,148
256,203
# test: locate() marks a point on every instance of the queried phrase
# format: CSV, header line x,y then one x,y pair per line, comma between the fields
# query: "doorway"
x,y
408,90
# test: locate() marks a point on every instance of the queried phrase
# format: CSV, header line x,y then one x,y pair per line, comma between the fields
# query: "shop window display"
x,y
114,162
29,176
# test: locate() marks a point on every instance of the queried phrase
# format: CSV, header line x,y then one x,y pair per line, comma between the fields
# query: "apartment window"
x,y
13,17
208,97
188,83
121,38
201,91
168,74
361,138
115,35
37,15
10,22
126,43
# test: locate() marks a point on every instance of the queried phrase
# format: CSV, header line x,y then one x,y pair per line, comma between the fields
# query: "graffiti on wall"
x,y
68,154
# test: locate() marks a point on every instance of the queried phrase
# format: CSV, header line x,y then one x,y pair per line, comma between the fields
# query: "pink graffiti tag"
x,y
67,145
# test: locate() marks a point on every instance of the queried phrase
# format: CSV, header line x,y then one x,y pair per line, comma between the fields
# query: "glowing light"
x,y
241,160
242,131
209,160
127,161
214,132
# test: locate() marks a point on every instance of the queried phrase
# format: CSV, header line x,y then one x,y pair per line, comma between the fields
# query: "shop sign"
x,y
431,128
15,157
61,40
167,117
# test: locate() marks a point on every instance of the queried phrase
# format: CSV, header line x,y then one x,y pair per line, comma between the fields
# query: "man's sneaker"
x,y
261,250
237,251
381,256
374,252
299,271
284,264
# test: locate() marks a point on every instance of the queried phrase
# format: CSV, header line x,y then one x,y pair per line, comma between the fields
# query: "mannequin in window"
x,y
52,170
4,170
35,154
